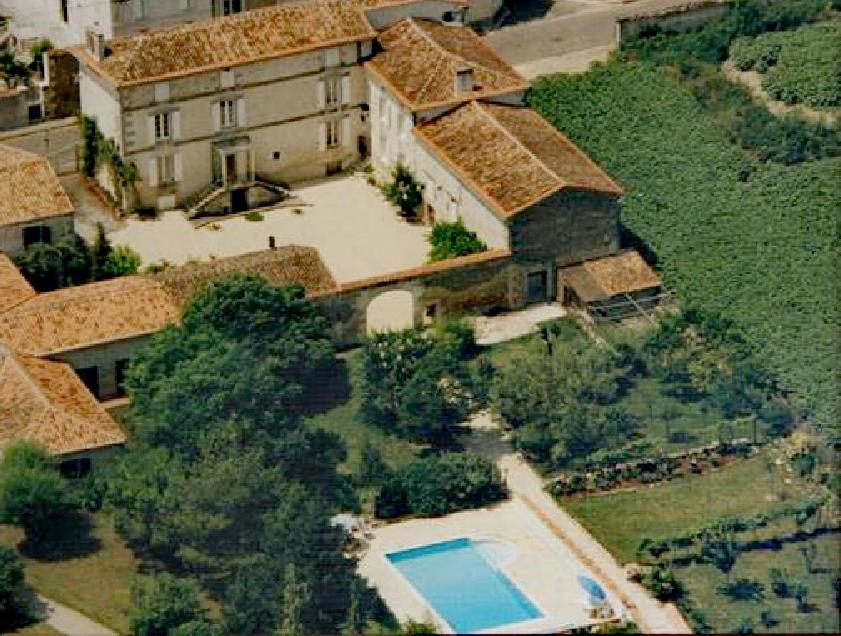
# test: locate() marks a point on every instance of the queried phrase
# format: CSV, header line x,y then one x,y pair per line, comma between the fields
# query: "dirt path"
x,y
753,81
525,484
70,622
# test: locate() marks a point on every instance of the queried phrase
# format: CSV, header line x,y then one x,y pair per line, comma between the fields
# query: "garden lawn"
x,y
342,417
725,615
763,252
621,520
37,629
95,583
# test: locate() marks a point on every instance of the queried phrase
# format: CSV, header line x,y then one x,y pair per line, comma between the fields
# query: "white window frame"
x,y
228,113
332,133
166,169
332,91
163,126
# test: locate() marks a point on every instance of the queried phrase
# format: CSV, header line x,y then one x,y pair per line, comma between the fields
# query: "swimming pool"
x,y
463,586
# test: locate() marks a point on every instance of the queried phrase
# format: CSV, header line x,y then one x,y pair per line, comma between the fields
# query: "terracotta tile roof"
x,y
282,266
29,188
45,401
602,278
83,316
218,43
14,288
421,58
511,156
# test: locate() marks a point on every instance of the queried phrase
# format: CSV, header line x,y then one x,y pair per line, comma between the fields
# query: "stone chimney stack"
x,y
95,40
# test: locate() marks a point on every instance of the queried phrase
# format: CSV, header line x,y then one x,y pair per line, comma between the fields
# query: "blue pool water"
x,y
463,587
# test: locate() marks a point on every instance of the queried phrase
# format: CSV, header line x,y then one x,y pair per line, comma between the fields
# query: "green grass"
x,y
702,582
621,520
36,629
763,251
96,583
340,414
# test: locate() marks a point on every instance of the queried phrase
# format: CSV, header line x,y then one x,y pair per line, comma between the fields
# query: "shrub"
x,y
254,216
440,484
13,591
404,192
449,240
163,604
662,582
121,261
32,491
743,589
372,467
779,582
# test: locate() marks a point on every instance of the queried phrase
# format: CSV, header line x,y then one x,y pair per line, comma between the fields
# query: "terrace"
x,y
356,231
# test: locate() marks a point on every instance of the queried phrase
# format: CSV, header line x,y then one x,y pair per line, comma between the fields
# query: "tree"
x,y
719,547
372,466
13,590
294,600
122,260
163,604
404,191
663,583
449,240
32,491
65,262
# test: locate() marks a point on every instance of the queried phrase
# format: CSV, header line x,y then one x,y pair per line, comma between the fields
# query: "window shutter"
x,y
346,89
216,115
366,49
153,172
176,124
322,136
176,166
345,140
242,122
150,122
320,95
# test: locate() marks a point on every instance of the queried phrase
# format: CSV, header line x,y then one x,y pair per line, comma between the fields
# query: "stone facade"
x,y
12,236
61,84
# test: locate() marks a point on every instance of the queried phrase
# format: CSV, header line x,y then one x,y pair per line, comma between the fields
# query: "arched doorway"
x,y
390,310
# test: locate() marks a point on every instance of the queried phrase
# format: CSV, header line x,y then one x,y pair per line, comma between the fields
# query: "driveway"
x,y
569,36
526,485
356,231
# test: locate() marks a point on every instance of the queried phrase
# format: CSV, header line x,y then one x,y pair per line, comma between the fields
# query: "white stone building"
x,y
273,95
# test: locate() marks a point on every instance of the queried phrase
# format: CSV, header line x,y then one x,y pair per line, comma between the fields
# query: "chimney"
x,y
96,42
464,80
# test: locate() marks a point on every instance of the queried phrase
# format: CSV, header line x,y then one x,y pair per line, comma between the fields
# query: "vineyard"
x,y
797,67
757,242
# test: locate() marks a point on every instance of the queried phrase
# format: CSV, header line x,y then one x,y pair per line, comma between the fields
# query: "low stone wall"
x,y
680,18
478,283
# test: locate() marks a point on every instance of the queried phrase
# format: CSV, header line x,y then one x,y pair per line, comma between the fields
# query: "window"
x,y
161,91
166,168
162,126
75,468
227,113
64,13
120,368
231,6
332,91
36,234
90,378
331,138
331,57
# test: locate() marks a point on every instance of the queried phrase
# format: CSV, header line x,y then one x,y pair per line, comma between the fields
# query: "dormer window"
x,y
464,80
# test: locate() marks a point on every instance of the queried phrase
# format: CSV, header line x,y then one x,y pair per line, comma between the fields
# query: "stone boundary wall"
x,y
59,141
680,18
478,283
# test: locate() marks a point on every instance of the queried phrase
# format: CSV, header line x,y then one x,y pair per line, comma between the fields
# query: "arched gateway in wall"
x,y
394,309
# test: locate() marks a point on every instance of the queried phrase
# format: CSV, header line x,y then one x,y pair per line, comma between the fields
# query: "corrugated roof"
x,y
285,265
602,278
29,188
46,402
224,42
14,288
83,316
511,156
421,58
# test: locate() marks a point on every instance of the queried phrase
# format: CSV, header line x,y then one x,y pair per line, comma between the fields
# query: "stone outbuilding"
x,y
34,208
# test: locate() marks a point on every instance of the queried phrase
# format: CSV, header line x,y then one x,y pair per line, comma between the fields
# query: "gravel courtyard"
x,y
356,231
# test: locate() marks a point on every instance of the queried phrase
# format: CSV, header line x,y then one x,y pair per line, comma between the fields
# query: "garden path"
x,y
70,622
525,484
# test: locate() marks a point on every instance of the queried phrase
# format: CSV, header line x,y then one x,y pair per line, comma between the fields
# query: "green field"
x,y
91,574
797,67
763,251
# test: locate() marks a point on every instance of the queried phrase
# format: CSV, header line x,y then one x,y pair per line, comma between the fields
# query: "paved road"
x,y
571,26
525,484
70,622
